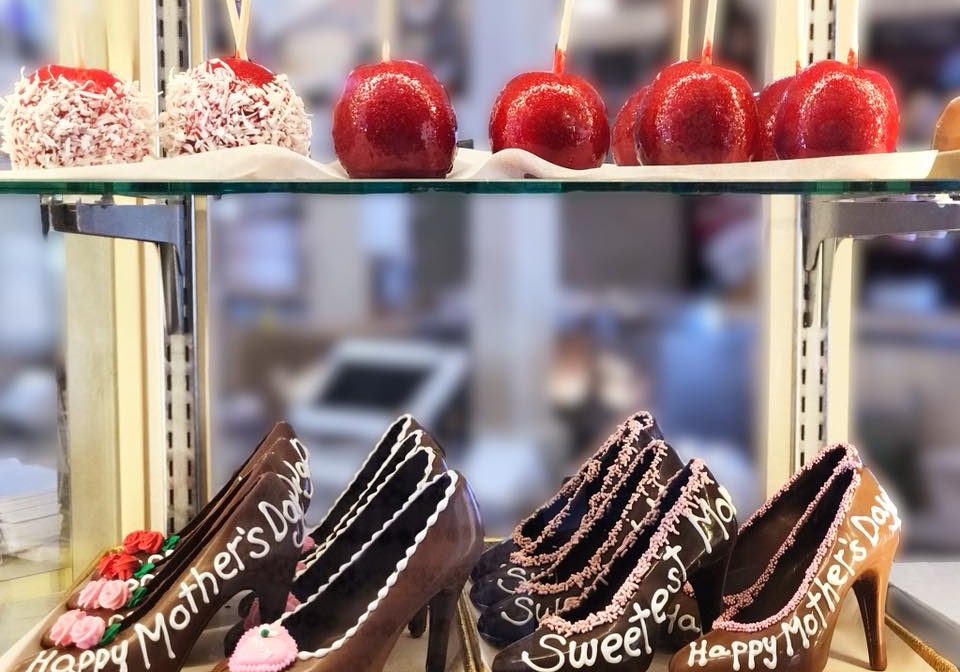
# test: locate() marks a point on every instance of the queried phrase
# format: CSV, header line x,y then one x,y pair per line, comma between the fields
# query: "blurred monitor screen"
x,y
373,386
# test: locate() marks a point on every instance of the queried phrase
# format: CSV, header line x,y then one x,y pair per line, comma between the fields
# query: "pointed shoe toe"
x,y
493,559
525,656
497,586
510,620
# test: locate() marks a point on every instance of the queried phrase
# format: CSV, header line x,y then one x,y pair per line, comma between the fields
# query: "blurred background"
x,y
521,330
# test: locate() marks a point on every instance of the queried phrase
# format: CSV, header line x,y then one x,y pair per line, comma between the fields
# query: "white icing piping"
x,y
406,420
400,567
431,459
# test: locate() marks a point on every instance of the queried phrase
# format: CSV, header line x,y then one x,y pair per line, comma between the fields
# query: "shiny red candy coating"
x,y
835,109
559,117
247,71
624,130
697,113
768,103
99,80
394,119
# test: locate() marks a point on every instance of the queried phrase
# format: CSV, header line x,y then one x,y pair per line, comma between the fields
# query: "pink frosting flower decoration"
x,y
145,541
114,594
90,595
87,632
308,544
60,632
301,566
267,648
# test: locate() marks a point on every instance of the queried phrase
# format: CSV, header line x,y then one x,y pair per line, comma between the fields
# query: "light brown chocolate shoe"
x,y
254,546
422,555
846,538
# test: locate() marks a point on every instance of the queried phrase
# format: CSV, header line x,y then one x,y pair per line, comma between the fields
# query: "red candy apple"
x,y
394,119
624,130
98,80
697,112
834,109
246,70
557,116
768,103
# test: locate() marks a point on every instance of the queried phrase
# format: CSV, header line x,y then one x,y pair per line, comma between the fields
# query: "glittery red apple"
x,y
557,116
697,112
624,131
768,103
835,109
394,119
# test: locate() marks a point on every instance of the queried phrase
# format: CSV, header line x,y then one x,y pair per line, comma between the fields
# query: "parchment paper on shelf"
x,y
274,164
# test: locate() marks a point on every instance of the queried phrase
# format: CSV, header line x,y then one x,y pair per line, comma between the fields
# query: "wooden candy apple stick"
x,y
240,24
710,30
560,57
388,13
848,31
685,26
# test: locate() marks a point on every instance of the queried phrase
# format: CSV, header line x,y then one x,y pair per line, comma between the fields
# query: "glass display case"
x,y
520,320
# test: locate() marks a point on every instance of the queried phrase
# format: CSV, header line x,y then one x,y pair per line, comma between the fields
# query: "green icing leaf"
x,y
144,569
110,634
137,596
170,542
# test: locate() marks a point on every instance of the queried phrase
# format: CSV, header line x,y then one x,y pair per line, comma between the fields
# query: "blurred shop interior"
x,y
523,329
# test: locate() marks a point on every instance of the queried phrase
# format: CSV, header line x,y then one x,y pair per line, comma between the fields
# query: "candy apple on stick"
x,y
558,116
833,108
769,99
233,102
394,119
697,112
63,116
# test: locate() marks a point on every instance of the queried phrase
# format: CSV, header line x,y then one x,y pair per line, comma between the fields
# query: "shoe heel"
x,y
443,611
707,584
871,591
418,625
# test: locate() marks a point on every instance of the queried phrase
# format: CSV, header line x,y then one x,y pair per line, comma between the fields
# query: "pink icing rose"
x,y
60,632
90,595
309,544
87,632
114,595
267,648
301,567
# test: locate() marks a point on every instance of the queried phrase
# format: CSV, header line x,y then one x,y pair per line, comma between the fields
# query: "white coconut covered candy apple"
x,y
232,102
61,117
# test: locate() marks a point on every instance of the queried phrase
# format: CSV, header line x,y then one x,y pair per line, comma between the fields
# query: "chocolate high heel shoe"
x,y
615,624
846,538
517,614
423,555
535,542
417,468
254,546
384,457
105,589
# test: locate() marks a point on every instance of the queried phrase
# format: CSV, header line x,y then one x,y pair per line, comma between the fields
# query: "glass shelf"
x,y
528,186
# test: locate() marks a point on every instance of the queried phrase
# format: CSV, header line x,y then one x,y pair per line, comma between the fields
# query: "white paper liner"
x,y
274,164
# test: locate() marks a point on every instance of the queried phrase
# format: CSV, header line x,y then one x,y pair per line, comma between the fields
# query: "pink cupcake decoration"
x,y
87,632
60,632
268,648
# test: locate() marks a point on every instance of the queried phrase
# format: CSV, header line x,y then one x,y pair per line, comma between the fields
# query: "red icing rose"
x,y
117,565
143,541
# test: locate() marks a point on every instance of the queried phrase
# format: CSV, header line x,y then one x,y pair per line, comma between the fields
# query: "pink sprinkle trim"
x,y
540,585
726,620
747,596
625,435
698,480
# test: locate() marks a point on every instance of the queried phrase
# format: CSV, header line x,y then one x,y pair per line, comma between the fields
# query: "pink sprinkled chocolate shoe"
x,y
536,541
641,481
615,624
845,538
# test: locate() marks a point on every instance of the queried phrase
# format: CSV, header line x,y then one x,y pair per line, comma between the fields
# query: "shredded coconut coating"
x,y
209,108
61,123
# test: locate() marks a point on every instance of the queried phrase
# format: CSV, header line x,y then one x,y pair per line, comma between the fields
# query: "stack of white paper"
x,y
29,509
